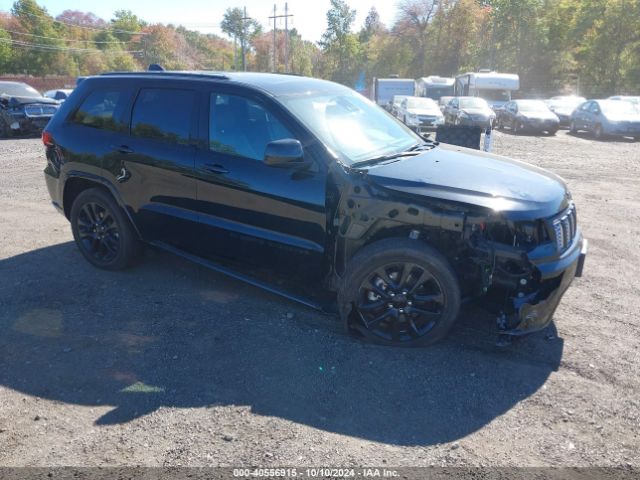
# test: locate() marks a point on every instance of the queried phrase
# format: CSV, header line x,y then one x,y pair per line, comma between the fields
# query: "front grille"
x,y
564,227
426,119
36,110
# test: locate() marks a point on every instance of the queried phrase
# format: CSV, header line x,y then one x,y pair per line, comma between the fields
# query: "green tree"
x,y
241,31
5,52
34,20
341,48
123,23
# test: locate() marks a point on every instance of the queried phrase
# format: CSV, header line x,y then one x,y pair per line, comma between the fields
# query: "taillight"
x,y
47,139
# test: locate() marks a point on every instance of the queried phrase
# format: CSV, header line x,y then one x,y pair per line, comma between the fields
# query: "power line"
x,y
98,29
37,46
63,39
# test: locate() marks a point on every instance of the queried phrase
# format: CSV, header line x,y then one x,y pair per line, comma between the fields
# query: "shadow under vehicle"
x,y
174,335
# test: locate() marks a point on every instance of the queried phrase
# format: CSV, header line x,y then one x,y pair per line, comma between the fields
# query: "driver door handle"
x,y
122,148
215,168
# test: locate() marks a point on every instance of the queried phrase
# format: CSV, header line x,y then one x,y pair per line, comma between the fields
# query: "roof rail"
x,y
171,73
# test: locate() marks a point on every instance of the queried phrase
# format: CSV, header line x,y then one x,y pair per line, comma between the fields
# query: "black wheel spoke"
x,y
424,276
371,306
376,321
425,313
407,270
436,298
97,231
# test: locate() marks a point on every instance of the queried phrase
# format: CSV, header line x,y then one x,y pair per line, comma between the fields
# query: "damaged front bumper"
x,y
535,311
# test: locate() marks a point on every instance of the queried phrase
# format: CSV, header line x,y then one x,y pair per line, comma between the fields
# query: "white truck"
x,y
434,87
494,87
384,89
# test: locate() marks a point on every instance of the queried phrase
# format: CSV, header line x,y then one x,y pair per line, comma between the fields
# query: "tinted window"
x,y
238,126
101,109
163,114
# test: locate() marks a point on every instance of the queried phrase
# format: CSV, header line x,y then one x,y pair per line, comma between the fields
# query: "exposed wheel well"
x,y
74,187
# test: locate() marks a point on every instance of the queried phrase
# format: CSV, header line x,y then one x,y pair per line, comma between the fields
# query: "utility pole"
x,y
286,46
243,40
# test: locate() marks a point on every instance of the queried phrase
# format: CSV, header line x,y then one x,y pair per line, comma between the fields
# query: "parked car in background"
x,y
420,114
309,180
563,106
60,95
470,111
23,110
394,107
528,115
627,98
442,103
604,118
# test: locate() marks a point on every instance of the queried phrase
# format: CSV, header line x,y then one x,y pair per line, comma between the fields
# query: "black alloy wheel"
x,y
400,302
399,292
102,231
98,232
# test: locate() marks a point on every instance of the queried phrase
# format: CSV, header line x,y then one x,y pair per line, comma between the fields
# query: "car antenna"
x,y
154,67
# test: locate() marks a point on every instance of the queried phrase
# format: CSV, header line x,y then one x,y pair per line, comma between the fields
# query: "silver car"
x,y
604,118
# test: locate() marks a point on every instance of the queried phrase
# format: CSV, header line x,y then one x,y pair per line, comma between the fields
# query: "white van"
x,y
494,87
434,87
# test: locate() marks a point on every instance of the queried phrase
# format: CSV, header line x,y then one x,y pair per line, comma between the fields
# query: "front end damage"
x,y
519,269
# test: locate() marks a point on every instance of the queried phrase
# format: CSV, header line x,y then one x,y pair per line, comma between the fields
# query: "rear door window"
x,y
163,114
102,109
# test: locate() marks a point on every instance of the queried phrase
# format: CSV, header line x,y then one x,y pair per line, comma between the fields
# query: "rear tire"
x,y
102,231
399,292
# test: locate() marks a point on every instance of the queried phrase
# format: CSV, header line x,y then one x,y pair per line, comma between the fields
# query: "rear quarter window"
x,y
101,109
163,114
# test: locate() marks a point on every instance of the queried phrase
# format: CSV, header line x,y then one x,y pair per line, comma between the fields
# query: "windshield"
x,y
422,103
473,102
532,106
616,107
350,125
566,102
18,90
495,95
437,92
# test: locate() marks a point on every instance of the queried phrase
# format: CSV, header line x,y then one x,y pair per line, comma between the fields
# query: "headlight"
x,y
463,114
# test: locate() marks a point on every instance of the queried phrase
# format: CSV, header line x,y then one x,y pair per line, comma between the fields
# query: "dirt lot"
x,y
170,364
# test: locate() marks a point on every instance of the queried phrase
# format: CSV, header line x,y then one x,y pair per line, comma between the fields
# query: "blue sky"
x,y
205,15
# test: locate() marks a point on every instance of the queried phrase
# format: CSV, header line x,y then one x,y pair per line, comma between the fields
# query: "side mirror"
x,y
284,153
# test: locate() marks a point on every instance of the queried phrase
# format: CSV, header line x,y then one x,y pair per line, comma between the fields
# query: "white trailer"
x,y
435,87
384,89
494,87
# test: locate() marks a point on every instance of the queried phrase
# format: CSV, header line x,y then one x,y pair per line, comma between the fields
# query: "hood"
x,y
623,118
16,101
425,111
517,189
478,111
540,115
567,111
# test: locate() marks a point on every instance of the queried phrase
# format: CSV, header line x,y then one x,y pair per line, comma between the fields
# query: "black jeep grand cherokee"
x,y
310,179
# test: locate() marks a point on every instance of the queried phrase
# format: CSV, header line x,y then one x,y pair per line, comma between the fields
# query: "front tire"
x,y
399,292
598,133
102,231
572,127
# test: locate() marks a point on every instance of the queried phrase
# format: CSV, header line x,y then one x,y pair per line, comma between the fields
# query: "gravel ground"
x,y
169,364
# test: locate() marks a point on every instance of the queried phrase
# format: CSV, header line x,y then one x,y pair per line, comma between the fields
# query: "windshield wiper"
x,y
384,158
428,145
